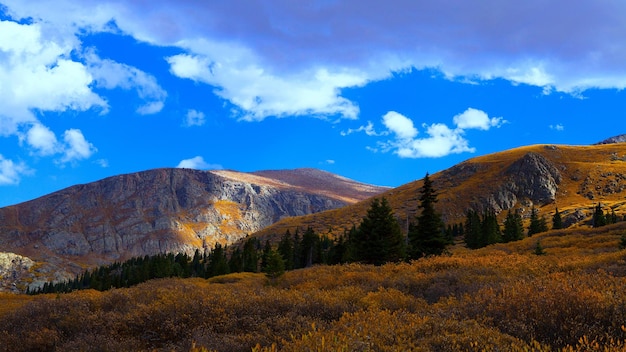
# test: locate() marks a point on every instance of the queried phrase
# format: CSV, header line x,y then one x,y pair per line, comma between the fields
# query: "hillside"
x,y
499,298
155,211
574,178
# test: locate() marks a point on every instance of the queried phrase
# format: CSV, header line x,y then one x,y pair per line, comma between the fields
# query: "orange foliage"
x,y
501,297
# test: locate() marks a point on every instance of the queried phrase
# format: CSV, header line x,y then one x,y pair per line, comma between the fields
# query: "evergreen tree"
x,y
513,227
217,262
285,249
275,265
557,222
491,232
473,230
537,224
599,219
379,238
427,237
309,248
539,249
250,258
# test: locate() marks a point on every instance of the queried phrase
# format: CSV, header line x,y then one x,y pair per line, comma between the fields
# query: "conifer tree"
x,y
427,236
599,219
379,238
217,262
285,249
557,222
491,229
537,224
472,229
513,227
275,265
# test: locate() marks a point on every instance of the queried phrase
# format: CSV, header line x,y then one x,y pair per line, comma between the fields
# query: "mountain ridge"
x,y
151,212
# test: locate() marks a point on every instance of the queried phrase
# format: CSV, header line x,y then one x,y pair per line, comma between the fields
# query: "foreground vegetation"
x,y
502,297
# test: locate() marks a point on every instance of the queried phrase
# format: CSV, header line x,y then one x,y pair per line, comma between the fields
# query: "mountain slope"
x,y
574,178
163,210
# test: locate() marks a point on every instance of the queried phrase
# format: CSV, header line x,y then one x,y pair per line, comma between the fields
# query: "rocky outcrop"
x,y
532,178
617,139
164,210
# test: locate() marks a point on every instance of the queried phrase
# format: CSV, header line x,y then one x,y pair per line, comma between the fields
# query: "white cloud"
x,y
282,58
11,172
198,163
258,93
440,140
76,146
42,139
557,127
110,74
194,118
473,118
368,129
399,124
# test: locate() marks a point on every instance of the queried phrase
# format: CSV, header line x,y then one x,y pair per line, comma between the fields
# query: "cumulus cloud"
x,y
76,146
439,140
198,163
473,118
284,58
194,118
109,74
11,172
42,139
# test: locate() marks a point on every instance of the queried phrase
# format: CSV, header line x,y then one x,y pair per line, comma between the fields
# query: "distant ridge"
x,y
617,139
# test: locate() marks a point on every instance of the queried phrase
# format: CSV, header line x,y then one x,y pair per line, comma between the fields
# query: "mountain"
x,y
572,178
156,211
617,139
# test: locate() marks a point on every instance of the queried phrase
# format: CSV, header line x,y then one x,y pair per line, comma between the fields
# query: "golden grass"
x,y
501,297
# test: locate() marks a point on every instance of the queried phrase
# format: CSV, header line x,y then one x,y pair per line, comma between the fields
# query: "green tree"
x,y
537,224
491,232
473,230
599,219
217,262
285,249
539,249
275,265
557,222
427,236
379,238
513,227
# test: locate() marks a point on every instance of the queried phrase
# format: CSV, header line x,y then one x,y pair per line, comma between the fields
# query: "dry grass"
x,y
502,297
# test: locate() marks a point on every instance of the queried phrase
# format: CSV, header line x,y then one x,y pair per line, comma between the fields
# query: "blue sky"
x,y
380,92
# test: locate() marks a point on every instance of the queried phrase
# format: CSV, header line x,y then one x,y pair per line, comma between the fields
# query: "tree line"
x,y
378,239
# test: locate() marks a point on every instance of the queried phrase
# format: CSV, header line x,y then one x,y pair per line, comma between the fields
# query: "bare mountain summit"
x,y
163,210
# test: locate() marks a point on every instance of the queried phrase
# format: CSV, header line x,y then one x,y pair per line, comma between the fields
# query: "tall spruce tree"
x,y
557,222
473,230
491,232
427,236
513,227
537,224
599,219
379,238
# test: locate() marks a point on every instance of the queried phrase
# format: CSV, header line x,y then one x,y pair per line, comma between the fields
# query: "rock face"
x,y
617,139
532,178
163,210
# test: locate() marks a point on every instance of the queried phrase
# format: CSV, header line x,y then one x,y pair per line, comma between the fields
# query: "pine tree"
x,y
379,238
537,224
309,248
275,265
491,232
557,222
539,249
473,230
513,227
599,219
285,249
427,237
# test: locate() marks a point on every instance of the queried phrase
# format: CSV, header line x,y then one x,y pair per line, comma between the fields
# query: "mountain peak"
x,y
617,139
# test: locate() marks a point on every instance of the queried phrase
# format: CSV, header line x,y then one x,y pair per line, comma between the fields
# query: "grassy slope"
x,y
500,297
599,163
